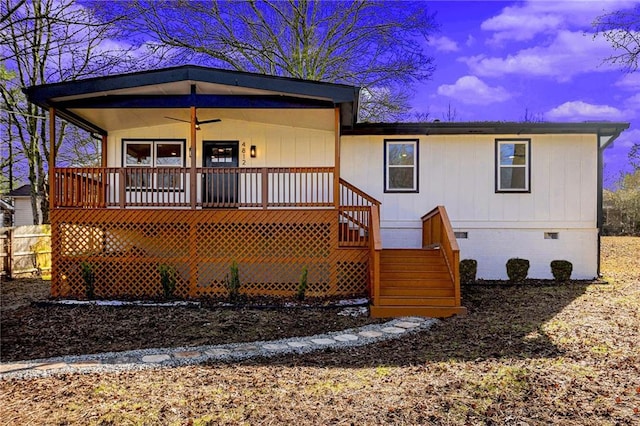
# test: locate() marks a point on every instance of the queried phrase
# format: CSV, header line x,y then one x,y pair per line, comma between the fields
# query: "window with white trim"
x,y
158,156
400,165
513,165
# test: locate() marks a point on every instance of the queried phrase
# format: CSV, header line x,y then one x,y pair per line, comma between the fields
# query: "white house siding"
x,y
23,213
458,171
277,145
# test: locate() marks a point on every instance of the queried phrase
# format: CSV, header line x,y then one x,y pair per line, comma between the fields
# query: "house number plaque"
x,y
244,153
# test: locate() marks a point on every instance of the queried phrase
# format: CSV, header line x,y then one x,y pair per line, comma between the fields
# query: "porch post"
x,y
104,151
52,158
192,150
193,237
336,168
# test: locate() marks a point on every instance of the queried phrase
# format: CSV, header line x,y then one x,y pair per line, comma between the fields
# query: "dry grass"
x,y
532,355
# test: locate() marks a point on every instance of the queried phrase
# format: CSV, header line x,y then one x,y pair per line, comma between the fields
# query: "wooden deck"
x,y
128,224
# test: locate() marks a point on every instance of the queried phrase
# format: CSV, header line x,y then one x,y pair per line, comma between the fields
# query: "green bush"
x,y
168,280
561,270
517,269
302,287
468,270
89,278
233,282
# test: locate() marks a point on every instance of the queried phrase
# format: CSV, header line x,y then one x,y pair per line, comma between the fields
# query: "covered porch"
x,y
202,169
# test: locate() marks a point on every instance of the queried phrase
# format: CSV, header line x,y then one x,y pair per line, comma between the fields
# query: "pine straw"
x,y
524,355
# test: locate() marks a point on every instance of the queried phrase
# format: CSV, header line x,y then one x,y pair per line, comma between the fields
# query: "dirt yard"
x,y
535,355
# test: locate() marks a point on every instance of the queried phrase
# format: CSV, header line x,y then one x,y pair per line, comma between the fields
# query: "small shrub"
x,y
468,270
168,280
302,287
561,270
233,282
89,278
517,269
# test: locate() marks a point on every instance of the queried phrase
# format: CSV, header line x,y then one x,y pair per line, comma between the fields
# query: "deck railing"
x,y
267,187
355,215
437,230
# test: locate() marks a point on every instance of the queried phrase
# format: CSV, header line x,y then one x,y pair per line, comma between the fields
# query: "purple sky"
x,y
497,59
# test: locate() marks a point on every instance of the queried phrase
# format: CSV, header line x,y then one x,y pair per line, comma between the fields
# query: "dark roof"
x,y
23,191
602,128
103,92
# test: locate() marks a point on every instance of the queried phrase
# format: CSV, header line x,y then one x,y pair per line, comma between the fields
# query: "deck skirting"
x,y
125,250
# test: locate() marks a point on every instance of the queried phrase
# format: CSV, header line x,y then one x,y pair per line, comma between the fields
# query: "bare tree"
x,y
451,114
634,156
532,117
376,45
45,41
622,29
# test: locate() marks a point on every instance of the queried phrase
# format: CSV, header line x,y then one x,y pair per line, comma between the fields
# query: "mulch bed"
x,y
34,328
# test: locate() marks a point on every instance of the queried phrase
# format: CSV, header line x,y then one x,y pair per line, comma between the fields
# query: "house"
x,y
203,167
23,212
6,213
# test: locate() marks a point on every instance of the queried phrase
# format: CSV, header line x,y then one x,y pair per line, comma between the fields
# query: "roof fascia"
x,y
338,93
487,128
199,101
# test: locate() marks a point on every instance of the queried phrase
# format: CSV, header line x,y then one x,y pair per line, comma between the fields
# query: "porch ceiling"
x,y
119,119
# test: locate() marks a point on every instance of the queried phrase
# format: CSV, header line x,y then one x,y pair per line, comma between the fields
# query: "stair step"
x,y
417,283
417,292
409,275
416,301
417,267
409,253
419,311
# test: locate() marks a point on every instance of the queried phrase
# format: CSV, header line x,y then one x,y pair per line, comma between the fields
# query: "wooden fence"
x,y
25,251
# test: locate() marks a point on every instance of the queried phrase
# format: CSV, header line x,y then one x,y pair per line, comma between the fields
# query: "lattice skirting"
x,y
125,250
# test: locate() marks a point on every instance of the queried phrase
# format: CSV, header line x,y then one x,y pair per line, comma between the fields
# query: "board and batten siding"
x,y
277,145
458,171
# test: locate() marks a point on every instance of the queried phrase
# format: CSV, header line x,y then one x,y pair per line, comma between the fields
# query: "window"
x,y
401,165
159,154
513,165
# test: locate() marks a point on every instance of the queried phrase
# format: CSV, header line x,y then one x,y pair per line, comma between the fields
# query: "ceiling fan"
x,y
198,122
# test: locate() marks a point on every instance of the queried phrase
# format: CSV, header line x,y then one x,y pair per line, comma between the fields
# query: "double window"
x,y
401,165
513,165
156,163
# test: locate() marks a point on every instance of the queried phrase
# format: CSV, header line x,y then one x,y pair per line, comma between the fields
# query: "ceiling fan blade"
x,y
178,119
215,120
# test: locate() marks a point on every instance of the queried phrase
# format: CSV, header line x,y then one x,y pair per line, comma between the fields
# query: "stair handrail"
x,y
355,208
370,200
437,230
375,247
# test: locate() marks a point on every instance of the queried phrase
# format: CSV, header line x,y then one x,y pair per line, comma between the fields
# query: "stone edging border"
x,y
181,356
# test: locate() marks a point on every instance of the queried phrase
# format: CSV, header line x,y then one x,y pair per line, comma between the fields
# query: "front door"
x,y
220,187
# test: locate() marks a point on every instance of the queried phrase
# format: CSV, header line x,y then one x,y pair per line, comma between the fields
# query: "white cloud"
x,y
633,101
471,90
443,44
629,82
569,53
581,111
524,21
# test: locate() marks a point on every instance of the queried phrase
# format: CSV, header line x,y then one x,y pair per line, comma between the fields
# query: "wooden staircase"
x,y
417,282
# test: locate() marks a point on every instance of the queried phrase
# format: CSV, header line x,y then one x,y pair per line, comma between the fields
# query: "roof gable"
x,y
178,81
187,86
